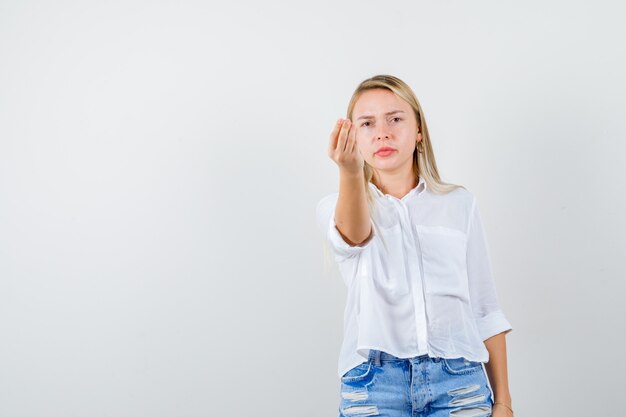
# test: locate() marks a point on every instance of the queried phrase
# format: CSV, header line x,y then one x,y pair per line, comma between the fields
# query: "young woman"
x,y
423,331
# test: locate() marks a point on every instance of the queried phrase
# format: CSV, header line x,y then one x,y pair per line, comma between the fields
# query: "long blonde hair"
x,y
424,163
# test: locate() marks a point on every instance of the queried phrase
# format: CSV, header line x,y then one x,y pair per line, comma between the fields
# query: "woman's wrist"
x,y
504,400
504,405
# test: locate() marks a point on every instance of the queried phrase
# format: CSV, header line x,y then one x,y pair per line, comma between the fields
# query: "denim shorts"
x,y
421,386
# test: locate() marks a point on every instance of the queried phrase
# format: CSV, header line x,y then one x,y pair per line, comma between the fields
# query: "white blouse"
x,y
430,291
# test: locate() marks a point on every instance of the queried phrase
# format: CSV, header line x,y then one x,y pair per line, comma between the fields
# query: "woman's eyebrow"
x,y
386,114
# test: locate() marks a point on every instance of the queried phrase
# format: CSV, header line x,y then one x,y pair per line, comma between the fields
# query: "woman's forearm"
x,y
497,368
352,212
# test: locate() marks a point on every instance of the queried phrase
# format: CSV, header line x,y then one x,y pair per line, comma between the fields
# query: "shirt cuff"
x,y
342,247
493,324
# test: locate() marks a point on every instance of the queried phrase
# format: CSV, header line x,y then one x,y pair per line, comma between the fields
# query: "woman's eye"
x,y
367,123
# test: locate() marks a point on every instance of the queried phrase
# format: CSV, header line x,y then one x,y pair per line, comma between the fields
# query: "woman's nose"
x,y
382,133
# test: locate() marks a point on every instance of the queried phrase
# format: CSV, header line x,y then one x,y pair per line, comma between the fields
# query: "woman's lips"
x,y
386,152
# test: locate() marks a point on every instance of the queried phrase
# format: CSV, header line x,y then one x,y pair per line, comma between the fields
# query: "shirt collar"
x,y
421,186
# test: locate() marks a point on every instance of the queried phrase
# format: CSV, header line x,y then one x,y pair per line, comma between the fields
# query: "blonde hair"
x,y
424,163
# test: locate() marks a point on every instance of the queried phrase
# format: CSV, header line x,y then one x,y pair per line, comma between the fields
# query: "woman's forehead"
x,y
379,105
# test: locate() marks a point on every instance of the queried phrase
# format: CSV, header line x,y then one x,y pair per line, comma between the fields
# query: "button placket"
x,y
400,284
417,284
414,254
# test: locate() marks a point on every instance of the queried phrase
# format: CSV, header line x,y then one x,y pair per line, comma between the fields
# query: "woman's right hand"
x,y
343,148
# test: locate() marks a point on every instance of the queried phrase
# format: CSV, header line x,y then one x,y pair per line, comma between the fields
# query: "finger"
x,y
352,139
332,145
343,134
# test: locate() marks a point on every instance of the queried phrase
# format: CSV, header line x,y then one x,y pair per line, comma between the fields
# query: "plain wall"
x,y
160,163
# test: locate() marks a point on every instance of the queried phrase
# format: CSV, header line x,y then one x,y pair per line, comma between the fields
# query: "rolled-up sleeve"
x,y
489,316
341,249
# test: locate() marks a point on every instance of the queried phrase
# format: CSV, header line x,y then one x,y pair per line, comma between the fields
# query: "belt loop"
x,y
377,358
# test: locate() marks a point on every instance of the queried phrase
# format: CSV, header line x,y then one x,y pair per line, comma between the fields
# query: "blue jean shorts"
x,y
421,386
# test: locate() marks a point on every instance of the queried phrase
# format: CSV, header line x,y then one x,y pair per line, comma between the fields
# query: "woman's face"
x,y
383,120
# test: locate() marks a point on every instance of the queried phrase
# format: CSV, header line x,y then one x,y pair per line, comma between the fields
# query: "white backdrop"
x,y
160,162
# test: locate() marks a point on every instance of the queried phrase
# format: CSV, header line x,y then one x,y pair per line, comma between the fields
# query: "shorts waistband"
x,y
378,356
